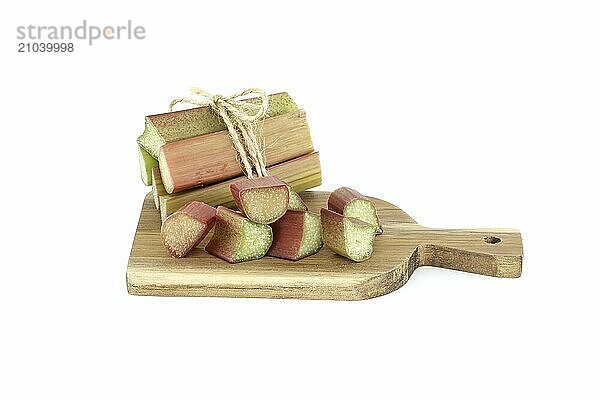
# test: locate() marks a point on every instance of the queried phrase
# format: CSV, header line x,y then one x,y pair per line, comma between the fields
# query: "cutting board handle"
x,y
492,252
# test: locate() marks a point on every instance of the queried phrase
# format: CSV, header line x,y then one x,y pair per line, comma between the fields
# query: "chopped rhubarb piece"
x,y
184,229
346,236
238,239
262,200
351,203
296,235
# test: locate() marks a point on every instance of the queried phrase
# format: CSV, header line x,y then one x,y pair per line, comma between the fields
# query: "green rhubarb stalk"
x,y
147,162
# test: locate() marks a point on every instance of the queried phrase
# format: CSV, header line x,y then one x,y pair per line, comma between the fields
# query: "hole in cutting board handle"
x,y
492,239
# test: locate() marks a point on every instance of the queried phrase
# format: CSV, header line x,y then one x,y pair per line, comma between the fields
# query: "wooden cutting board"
x,y
404,246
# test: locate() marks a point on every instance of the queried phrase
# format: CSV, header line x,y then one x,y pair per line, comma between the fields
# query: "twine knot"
x,y
215,99
241,118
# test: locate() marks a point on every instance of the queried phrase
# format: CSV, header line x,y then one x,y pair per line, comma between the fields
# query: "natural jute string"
x,y
242,119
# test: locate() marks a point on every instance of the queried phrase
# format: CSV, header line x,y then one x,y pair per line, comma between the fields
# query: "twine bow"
x,y
241,118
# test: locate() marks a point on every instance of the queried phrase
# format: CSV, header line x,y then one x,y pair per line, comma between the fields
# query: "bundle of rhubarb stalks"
x,y
197,179
188,156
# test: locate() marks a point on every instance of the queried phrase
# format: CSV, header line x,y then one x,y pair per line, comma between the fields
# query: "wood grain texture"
x,y
403,247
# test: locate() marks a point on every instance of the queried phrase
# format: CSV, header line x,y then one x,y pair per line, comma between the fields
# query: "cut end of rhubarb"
x,y
350,203
359,239
264,205
296,235
183,230
363,210
237,239
296,202
346,236
180,234
261,200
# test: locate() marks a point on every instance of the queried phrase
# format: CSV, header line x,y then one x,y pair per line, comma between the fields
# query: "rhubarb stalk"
x,y
178,125
210,158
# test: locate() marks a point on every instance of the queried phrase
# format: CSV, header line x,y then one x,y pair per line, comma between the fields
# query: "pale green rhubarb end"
x,y
296,235
350,203
147,162
346,236
183,230
237,239
296,202
262,200
150,140
363,210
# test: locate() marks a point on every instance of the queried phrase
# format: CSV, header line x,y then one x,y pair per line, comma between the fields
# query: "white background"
x,y
463,113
